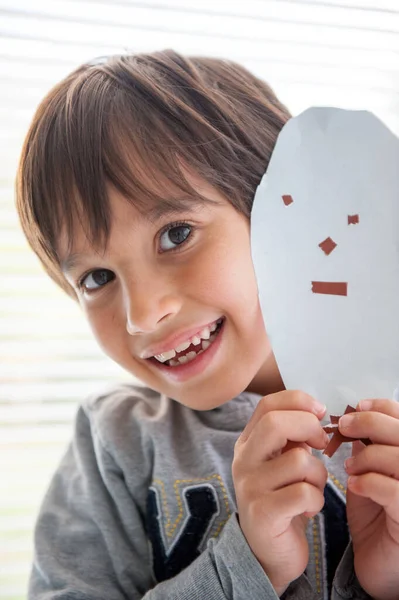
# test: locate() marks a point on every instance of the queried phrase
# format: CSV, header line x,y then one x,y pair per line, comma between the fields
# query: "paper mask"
x,y
325,243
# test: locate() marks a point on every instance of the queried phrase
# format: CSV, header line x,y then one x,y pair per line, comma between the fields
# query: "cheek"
x,y
223,275
236,274
106,329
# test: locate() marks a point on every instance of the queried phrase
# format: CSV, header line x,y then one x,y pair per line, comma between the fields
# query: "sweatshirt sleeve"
x,y
346,585
91,544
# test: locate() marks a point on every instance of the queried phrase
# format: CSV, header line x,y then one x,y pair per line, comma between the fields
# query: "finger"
x,y
287,400
276,428
380,489
290,445
387,407
292,467
290,502
375,459
379,427
357,447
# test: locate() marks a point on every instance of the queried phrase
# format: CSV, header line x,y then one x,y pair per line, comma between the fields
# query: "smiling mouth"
x,y
192,352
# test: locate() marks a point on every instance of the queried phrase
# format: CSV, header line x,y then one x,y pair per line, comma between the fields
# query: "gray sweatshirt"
x,y
143,506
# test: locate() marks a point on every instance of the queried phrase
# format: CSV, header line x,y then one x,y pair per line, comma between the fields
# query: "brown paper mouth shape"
x,y
337,438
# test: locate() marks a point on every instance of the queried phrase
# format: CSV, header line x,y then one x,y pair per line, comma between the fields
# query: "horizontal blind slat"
x,y
238,30
141,13
46,391
56,348
38,434
39,51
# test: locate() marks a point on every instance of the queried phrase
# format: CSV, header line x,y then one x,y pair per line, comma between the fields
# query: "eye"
x,y
95,279
174,235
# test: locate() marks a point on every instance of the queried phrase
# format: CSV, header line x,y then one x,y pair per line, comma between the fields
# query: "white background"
x,y
341,53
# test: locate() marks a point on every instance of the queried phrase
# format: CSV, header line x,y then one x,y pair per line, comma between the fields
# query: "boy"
x,y
208,482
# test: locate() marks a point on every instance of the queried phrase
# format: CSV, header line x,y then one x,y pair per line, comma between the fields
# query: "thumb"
x,y
290,445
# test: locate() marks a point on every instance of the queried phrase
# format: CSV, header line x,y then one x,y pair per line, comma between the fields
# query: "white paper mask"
x,y
325,247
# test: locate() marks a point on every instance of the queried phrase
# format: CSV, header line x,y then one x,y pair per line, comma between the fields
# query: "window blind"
x,y
340,53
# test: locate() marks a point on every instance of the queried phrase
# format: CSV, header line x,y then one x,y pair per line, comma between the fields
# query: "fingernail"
x,y
320,409
366,404
345,421
349,463
352,479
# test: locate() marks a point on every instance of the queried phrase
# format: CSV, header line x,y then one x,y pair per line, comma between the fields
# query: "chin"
x,y
205,400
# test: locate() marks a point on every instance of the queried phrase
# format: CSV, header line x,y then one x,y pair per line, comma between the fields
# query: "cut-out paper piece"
x,y
353,219
335,163
334,288
328,246
338,438
287,200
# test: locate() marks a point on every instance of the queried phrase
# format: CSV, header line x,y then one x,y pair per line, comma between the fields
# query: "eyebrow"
x,y
70,262
171,206
154,214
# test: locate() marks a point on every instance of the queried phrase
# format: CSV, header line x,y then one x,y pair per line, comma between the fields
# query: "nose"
x,y
148,304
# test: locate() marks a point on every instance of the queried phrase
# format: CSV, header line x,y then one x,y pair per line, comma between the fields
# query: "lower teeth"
x,y
191,355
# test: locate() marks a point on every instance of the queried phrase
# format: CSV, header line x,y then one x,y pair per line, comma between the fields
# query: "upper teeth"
x,y
205,334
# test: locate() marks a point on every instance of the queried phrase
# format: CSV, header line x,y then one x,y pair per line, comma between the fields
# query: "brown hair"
x,y
130,121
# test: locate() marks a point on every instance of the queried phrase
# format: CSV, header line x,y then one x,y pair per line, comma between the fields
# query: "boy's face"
x,y
155,289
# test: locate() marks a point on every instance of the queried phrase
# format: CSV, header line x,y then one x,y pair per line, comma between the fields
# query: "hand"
x,y
373,496
278,483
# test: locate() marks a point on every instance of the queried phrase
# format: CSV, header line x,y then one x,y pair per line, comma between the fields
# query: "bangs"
x,y
102,139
